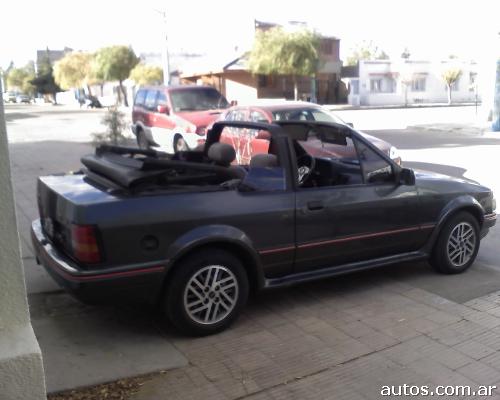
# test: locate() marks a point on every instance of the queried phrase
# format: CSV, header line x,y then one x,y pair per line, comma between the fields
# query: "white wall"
x,y
435,87
21,369
243,94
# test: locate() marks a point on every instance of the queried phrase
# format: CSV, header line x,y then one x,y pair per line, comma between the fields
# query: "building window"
x,y
266,80
418,84
382,85
390,85
326,47
375,85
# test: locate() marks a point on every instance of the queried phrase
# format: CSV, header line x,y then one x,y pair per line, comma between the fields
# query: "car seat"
x,y
223,154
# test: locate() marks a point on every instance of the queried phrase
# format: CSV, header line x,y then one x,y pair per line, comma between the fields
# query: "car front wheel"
x,y
180,144
206,292
457,244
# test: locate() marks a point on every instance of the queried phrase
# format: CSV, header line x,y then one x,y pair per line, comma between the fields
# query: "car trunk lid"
x,y
62,200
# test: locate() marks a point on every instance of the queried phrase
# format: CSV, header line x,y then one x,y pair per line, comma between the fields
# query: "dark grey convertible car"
x,y
196,232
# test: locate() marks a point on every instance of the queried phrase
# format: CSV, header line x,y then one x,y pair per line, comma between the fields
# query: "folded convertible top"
x,y
130,167
124,171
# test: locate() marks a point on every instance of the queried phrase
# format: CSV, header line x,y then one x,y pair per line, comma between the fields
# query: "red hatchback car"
x,y
175,118
290,111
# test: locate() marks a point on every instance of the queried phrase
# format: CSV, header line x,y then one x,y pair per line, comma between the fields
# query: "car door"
x,y
162,120
358,219
150,107
138,109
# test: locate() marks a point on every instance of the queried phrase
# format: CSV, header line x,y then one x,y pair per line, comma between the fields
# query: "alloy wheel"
x,y
211,294
461,244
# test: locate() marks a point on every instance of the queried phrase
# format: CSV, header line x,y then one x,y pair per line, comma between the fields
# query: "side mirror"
x,y
233,103
407,177
163,110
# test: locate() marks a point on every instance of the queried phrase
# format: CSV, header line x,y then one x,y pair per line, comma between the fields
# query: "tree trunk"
x,y
406,95
449,93
102,89
295,89
89,90
125,101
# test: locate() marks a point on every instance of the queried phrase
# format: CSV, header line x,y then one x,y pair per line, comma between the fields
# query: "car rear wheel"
x,y
180,144
206,292
457,244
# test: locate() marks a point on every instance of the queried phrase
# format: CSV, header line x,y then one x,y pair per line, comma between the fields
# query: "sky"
x,y
430,29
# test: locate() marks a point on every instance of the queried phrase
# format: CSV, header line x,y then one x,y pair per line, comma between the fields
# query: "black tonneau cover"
x,y
131,167
124,171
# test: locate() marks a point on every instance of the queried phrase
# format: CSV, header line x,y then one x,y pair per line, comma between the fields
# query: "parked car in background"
x,y
23,98
10,97
195,233
298,111
175,118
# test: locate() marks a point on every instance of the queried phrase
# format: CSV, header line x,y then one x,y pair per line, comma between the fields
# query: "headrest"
x,y
264,160
222,153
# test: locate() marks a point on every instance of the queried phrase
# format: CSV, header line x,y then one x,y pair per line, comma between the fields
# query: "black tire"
x,y
180,144
180,288
142,140
445,249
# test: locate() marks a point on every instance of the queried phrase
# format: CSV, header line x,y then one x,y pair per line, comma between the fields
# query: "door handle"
x,y
315,205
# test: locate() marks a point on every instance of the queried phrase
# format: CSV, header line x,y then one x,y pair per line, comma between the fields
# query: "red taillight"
x,y
84,243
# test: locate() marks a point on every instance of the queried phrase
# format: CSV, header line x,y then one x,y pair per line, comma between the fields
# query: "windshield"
x,y
197,99
306,114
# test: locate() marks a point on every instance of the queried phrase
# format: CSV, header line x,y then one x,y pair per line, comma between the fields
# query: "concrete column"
x,y
489,79
21,368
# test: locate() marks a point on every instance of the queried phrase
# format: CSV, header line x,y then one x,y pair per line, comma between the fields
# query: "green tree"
x,y
366,51
27,87
146,74
15,78
115,123
276,51
44,82
6,74
114,64
20,78
450,76
74,70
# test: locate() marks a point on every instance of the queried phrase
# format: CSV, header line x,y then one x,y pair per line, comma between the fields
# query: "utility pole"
x,y
164,52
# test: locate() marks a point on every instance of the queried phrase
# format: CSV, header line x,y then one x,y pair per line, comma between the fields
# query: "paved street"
x,y
398,325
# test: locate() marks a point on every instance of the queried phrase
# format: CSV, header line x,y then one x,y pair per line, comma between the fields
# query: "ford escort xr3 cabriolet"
x,y
197,231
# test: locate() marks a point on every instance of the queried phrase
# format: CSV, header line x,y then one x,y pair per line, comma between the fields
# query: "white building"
x,y
386,82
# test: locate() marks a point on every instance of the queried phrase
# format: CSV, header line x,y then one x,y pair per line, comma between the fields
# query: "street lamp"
x,y
164,53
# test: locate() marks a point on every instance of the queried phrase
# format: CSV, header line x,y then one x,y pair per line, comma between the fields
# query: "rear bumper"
x,y
122,284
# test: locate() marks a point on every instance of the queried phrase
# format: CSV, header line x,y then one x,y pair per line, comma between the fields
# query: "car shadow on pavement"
x,y
13,116
85,345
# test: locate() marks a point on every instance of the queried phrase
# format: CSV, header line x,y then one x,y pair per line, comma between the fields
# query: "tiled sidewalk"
x,y
340,339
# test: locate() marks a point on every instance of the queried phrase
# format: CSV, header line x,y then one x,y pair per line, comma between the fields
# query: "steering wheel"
x,y
306,164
